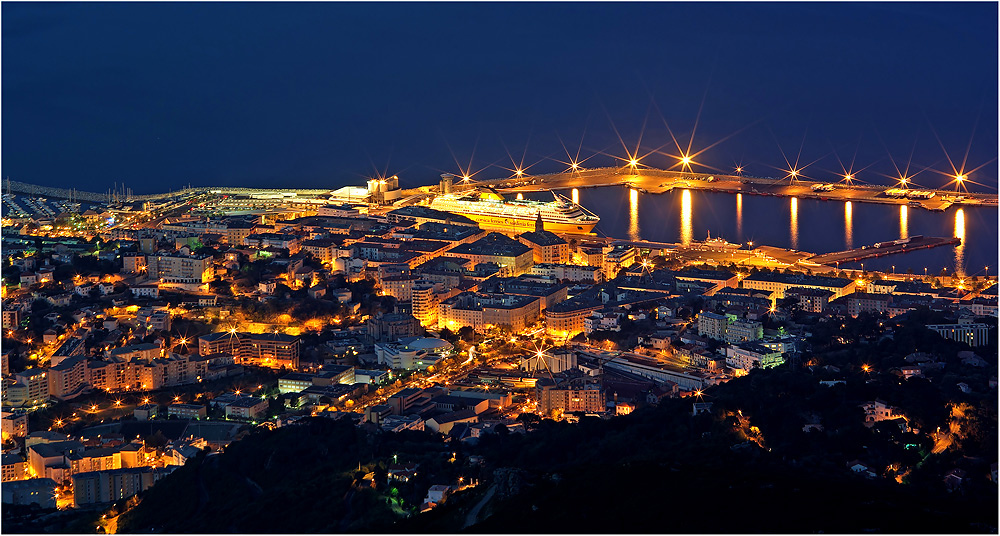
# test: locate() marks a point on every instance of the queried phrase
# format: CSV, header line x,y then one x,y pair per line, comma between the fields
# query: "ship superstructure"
x,y
495,212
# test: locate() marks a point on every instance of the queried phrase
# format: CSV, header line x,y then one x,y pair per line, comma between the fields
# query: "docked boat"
x,y
493,211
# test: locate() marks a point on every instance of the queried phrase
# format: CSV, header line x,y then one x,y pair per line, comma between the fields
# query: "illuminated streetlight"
x,y
866,368
574,165
961,178
739,170
848,177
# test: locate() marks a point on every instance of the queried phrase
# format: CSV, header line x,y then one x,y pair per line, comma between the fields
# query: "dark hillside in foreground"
x,y
746,467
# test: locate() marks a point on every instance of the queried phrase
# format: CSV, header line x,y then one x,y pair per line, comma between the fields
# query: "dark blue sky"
x,y
311,95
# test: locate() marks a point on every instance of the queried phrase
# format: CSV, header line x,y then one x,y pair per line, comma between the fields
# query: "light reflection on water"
x,y
793,227
739,216
848,225
633,214
904,228
960,234
823,226
686,228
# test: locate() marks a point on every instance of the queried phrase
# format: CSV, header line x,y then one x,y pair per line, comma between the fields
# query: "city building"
x,y
68,379
272,350
546,246
187,411
569,394
30,388
778,283
616,257
52,460
743,331
443,424
14,467
812,300
323,249
718,279
399,286
413,353
40,491
296,382
713,325
523,285
247,408
393,326
145,412
14,425
862,302
104,487
609,319
748,356
179,268
11,317
878,411
480,311
513,257
971,334
572,272
568,318
555,360
424,302
290,242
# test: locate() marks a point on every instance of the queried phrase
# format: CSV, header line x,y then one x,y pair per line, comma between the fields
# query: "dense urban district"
x,y
361,361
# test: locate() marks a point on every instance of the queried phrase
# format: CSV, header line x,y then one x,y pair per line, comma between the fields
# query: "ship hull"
x,y
516,225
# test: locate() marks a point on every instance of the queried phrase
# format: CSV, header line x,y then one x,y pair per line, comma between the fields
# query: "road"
x,y
473,516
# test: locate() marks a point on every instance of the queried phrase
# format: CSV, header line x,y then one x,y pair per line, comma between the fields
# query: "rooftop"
x,y
493,244
543,238
800,279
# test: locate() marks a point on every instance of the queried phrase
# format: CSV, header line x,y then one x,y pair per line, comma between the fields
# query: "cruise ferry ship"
x,y
496,213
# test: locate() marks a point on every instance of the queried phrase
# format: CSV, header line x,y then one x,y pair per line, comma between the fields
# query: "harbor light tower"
x,y
447,180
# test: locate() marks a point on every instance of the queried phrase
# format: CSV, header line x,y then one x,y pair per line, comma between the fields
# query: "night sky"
x,y
320,95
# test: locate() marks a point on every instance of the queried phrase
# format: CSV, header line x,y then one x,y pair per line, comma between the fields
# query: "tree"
x,y
467,334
